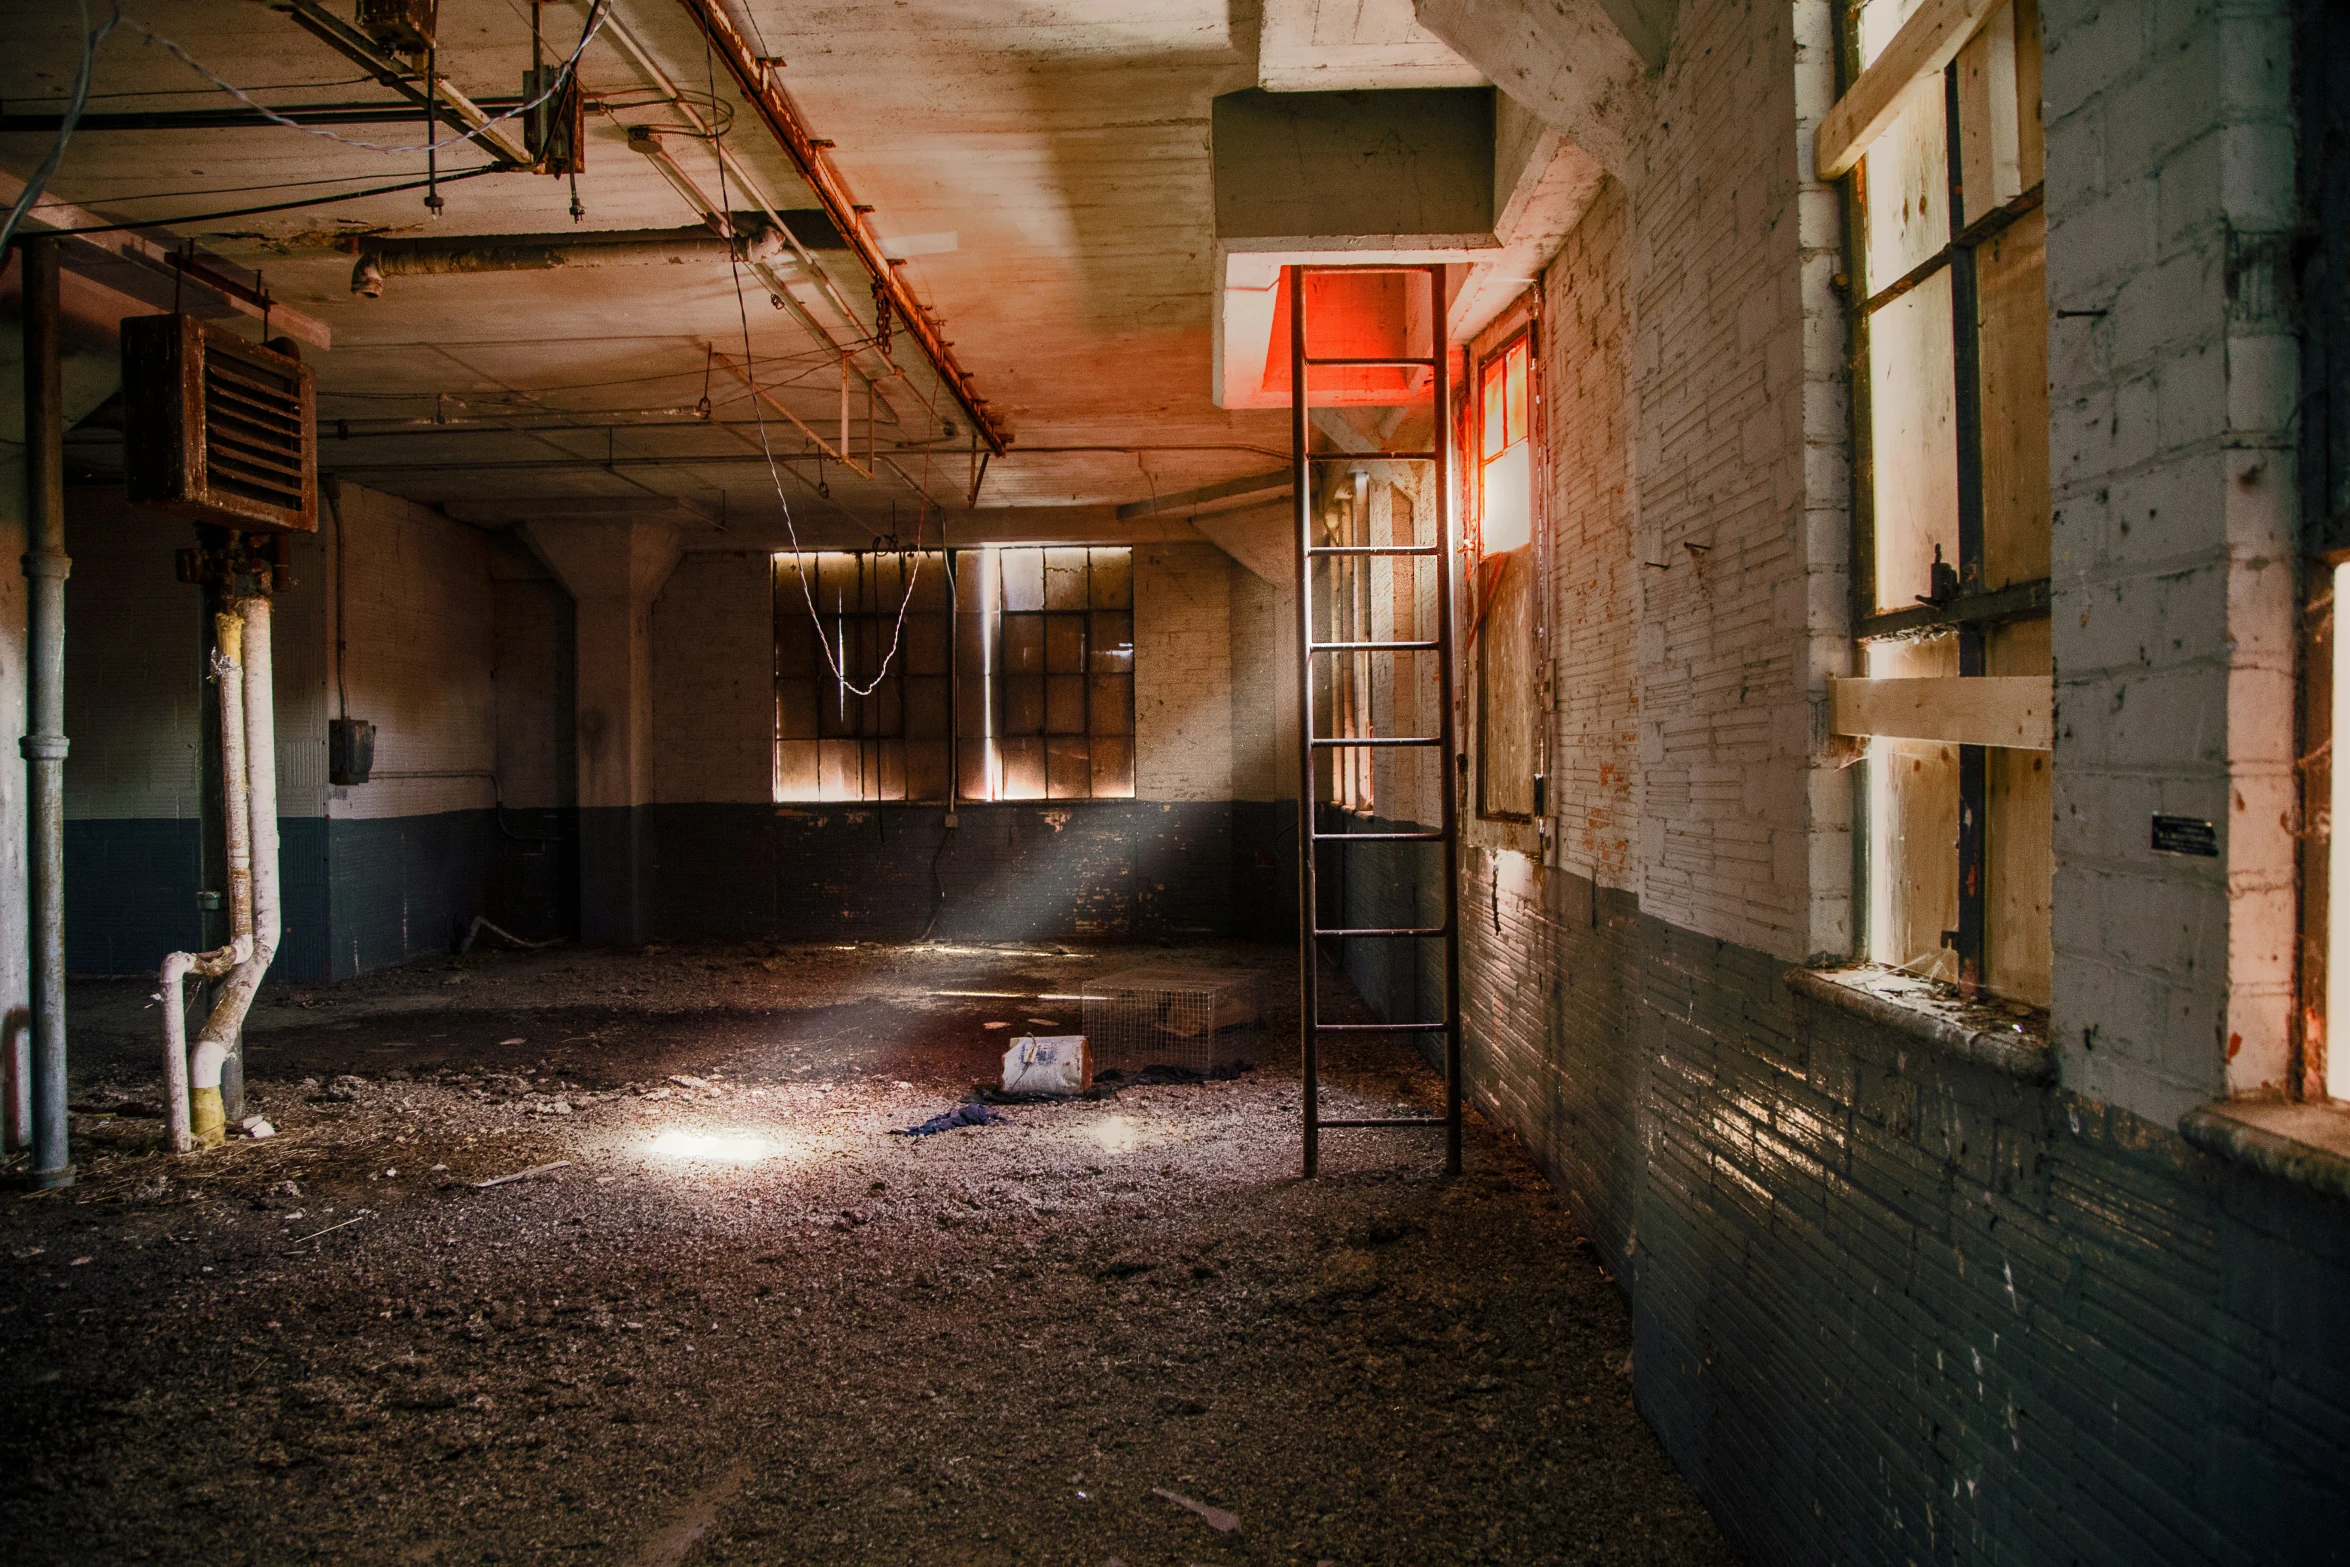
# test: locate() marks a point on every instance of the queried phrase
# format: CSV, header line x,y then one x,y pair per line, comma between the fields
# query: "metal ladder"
x,y
1312,840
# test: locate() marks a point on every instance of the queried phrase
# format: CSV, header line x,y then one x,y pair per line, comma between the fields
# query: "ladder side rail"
x,y
1308,948
1446,633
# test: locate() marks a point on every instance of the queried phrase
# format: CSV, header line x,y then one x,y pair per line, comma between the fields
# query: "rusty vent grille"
x,y
216,428
252,432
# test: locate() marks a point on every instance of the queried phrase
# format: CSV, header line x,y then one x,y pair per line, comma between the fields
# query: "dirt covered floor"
x,y
731,1319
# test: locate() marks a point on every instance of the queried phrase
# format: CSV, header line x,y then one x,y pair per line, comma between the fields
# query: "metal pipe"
x,y
214,1047
781,116
44,744
1309,950
380,259
1448,631
228,673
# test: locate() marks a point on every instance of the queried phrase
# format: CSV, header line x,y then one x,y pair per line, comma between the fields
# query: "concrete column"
x,y
614,569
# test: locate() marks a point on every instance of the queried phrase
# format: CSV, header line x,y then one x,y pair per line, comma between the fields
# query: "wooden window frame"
x,y
1939,38
1487,571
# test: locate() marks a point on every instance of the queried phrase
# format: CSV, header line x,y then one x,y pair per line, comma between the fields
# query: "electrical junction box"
x,y
406,25
350,750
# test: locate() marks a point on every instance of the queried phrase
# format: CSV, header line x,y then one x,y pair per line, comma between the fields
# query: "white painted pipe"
x,y
228,672
206,1117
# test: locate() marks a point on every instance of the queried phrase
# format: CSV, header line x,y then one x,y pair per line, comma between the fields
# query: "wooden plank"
x,y
1989,171
1927,42
2019,859
2030,145
2012,307
2011,711
129,248
1913,827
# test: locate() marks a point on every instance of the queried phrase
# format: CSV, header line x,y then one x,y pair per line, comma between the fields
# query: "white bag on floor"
x,y
1052,1064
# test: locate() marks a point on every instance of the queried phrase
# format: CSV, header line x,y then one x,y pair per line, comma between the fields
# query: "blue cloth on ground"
x,y
960,1115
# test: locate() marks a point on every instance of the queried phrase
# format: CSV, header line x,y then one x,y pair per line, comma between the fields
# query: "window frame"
x,y
1958,606
1518,328
977,694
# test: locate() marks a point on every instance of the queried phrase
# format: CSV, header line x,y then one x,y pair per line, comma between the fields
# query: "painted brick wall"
x,y
132,668
1594,579
1729,271
2170,188
420,628
714,680
1890,1305
1182,672
1263,625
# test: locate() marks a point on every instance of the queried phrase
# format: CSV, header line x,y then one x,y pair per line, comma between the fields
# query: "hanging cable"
x,y
81,96
277,206
775,474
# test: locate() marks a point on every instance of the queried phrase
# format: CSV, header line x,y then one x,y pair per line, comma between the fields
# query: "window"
x,y
1505,597
830,742
1505,479
1012,676
1951,553
1052,715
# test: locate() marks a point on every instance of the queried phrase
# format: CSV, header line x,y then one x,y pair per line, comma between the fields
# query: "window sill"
x,y
2306,1144
1987,1035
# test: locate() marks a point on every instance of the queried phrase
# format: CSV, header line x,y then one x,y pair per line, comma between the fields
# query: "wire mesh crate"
x,y
1199,1019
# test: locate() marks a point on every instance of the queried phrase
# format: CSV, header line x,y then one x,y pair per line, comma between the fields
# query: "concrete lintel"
x,y
1352,46
1586,66
673,510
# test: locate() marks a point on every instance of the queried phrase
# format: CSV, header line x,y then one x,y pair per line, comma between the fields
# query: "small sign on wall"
x,y
2185,835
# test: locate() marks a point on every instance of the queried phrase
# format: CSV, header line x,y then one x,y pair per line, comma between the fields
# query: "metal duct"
x,y
386,258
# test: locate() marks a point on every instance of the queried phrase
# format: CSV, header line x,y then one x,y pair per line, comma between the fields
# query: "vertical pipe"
x,y
1441,445
44,746
1308,950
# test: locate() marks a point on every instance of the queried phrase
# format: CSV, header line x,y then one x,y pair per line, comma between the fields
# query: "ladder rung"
x,y
1381,1028
1379,837
1373,647
1393,1120
1425,364
1370,457
1375,549
1387,930
1371,740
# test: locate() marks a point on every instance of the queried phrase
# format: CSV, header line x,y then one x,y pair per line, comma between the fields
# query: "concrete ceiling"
x,y
1043,168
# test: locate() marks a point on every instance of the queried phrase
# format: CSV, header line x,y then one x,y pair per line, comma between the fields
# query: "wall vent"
x,y
216,428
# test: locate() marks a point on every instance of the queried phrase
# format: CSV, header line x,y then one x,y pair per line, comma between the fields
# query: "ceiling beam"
x,y
1232,493
440,95
140,267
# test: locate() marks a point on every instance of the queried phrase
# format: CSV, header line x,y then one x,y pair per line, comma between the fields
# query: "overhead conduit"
x,y
774,106
380,259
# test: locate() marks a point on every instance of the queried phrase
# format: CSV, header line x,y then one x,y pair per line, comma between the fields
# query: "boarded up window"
x,y
1506,598
1951,572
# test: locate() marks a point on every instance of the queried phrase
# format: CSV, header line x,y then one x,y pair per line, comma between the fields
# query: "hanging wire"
x,y
81,96
775,474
